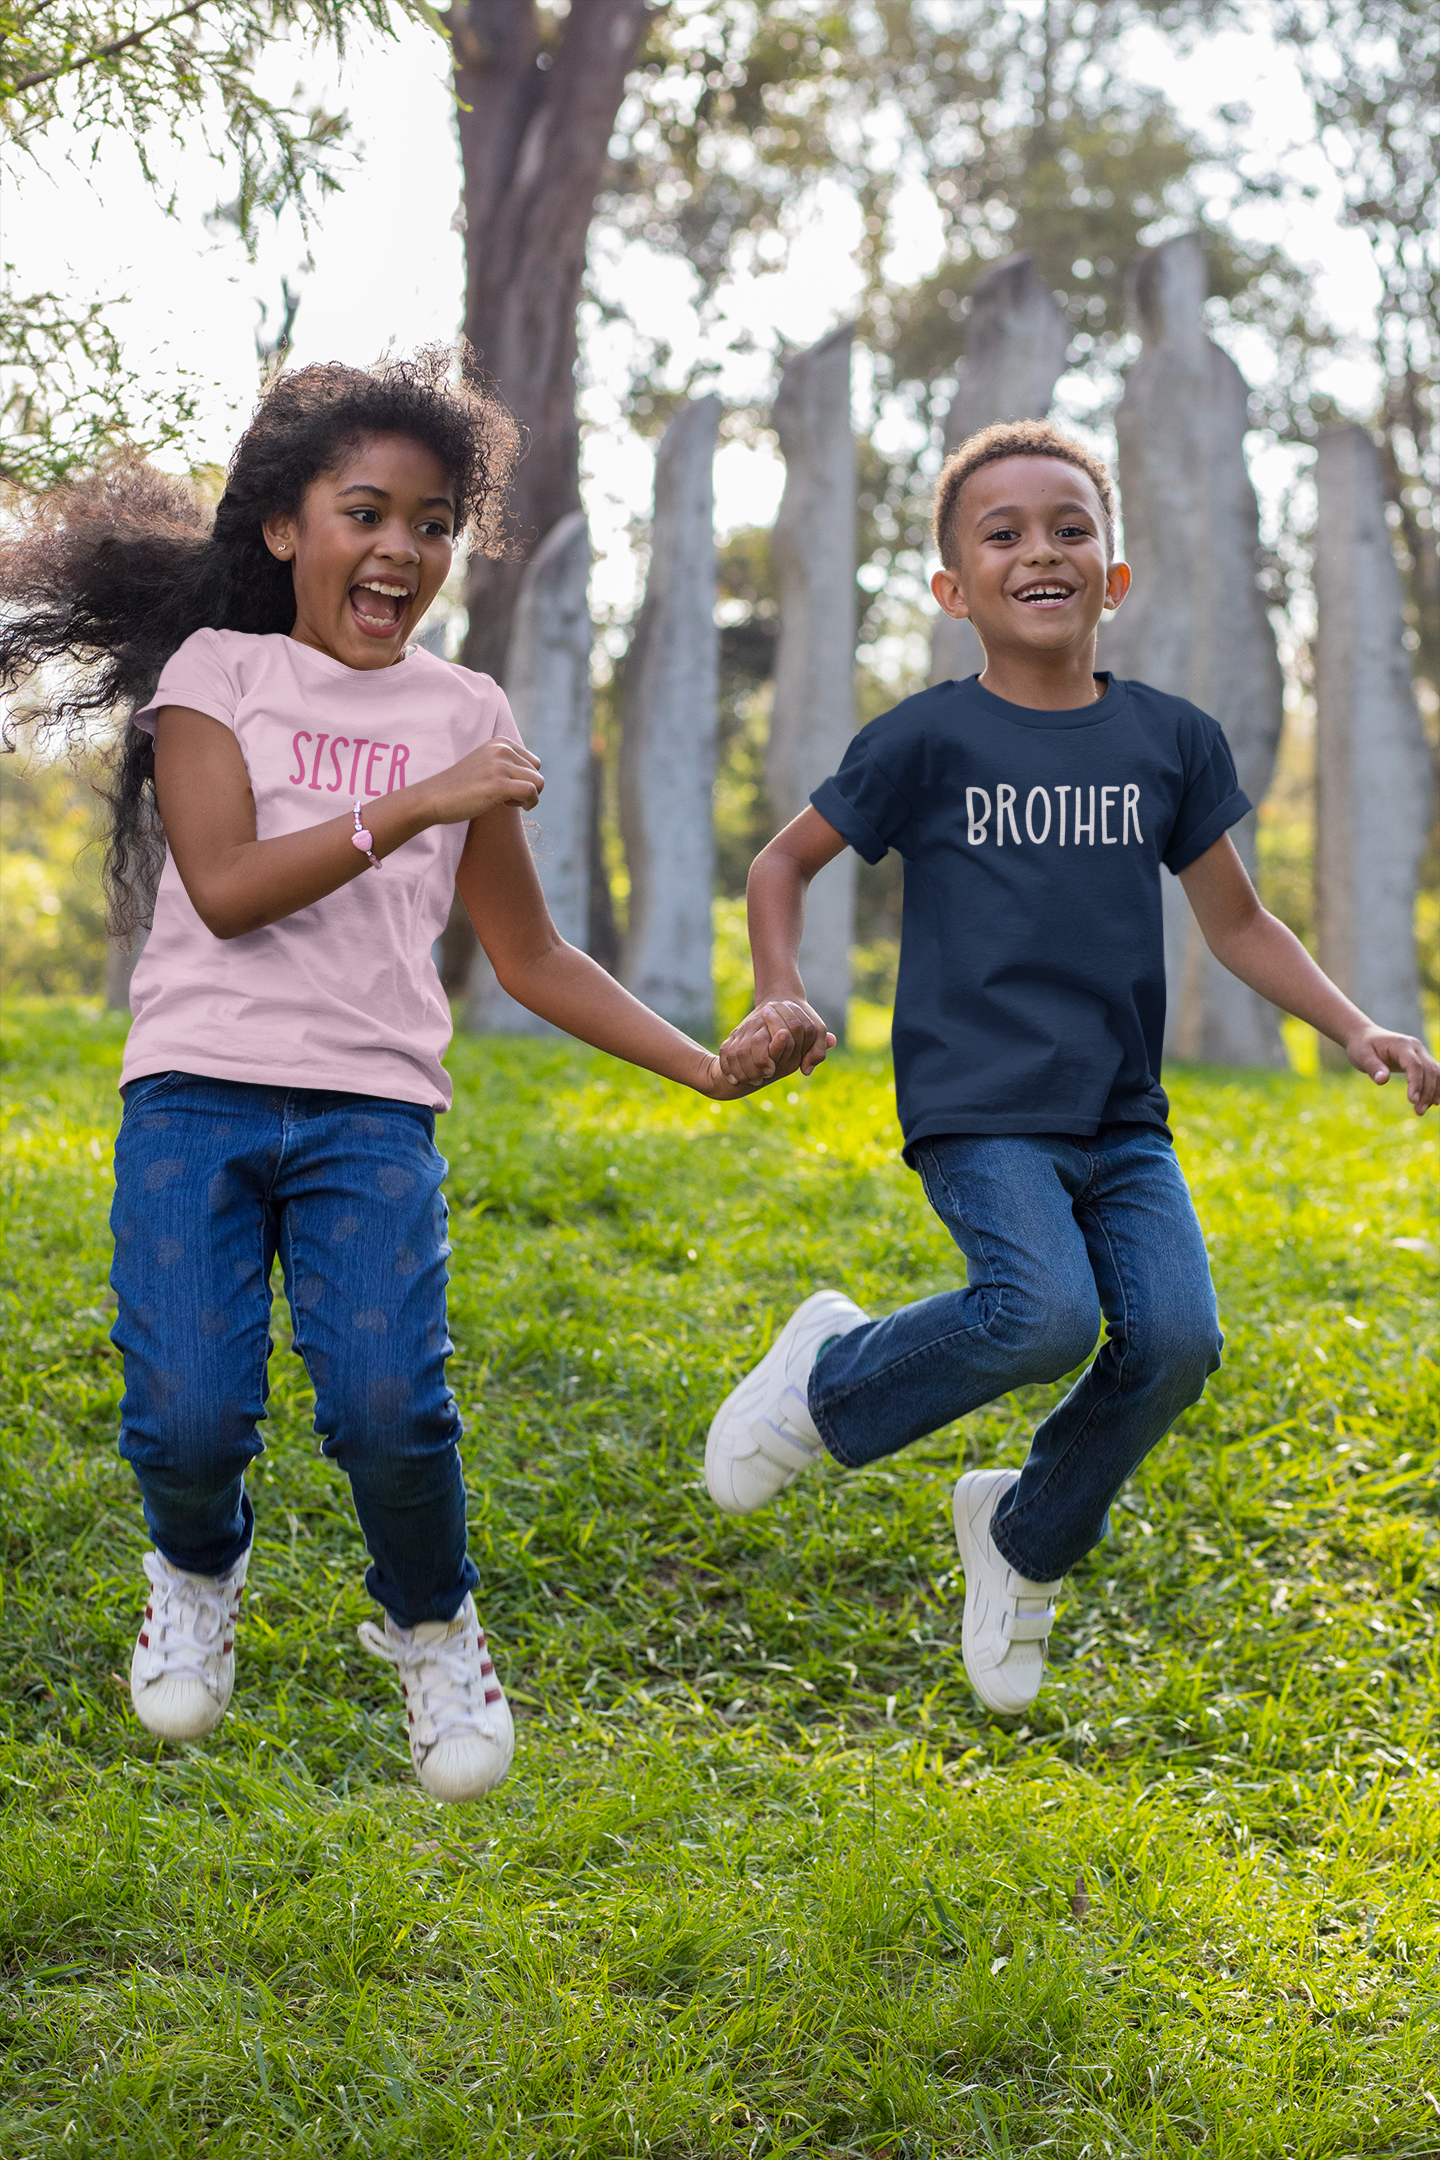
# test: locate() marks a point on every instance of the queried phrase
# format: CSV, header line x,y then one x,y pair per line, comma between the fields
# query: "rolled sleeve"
x,y
1213,800
1180,854
863,804
848,822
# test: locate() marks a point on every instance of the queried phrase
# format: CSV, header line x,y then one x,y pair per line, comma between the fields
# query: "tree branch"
x,y
100,52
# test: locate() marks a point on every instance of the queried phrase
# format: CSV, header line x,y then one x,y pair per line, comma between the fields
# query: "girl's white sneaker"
x,y
182,1674
1008,1619
462,1736
763,1435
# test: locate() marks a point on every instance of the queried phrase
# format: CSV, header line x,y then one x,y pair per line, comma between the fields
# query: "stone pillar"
x,y
667,741
547,680
1015,343
812,718
1374,781
1195,622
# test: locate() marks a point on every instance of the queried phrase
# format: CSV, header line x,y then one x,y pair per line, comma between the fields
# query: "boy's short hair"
x,y
1015,438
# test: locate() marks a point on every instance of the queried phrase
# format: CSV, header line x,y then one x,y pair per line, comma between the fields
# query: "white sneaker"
x,y
763,1435
1007,1619
462,1736
182,1674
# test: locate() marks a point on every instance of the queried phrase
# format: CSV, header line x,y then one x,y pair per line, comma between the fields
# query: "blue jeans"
x,y
212,1179
1056,1232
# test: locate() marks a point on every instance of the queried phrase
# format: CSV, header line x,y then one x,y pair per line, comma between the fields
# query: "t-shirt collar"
x,y
998,708
327,664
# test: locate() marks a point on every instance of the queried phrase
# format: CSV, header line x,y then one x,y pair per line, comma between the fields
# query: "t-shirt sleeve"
x,y
504,720
196,676
1213,801
865,808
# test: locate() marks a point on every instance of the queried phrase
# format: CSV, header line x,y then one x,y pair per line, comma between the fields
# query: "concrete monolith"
x,y
1015,342
813,715
667,742
1374,781
1196,621
547,680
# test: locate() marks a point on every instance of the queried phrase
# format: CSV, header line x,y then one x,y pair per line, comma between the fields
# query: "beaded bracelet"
x,y
364,840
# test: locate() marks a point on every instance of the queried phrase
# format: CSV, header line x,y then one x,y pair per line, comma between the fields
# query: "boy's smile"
x,y
371,548
1028,565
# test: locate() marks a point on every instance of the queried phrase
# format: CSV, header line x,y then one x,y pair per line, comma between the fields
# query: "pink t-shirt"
x,y
342,994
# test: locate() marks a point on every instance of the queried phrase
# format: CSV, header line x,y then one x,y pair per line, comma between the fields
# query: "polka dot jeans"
x,y
213,1179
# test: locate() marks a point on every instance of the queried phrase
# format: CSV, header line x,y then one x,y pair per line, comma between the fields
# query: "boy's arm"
x,y
1271,959
794,1033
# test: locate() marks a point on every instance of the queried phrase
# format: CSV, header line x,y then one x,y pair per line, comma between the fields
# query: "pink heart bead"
x,y
363,840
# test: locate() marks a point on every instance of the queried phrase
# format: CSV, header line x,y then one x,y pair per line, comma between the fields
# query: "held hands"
x,y
1379,1052
499,773
782,1036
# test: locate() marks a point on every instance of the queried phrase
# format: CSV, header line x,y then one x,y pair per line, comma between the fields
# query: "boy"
x,y
1033,805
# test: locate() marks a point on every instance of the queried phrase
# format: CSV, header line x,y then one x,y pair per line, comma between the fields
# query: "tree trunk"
x,y
536,119
534,140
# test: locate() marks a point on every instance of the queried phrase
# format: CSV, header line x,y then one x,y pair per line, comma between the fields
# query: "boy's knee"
x,y
1051,1335
1184,1349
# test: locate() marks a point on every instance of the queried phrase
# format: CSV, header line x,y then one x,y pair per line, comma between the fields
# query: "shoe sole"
x,y
755,1383
472,1792
183,1739
972,1562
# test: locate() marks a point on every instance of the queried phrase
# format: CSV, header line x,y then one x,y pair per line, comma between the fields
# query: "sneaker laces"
x,y
450,1684
189,1621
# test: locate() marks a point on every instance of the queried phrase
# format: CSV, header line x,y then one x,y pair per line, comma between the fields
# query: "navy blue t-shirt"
x,y
1031,995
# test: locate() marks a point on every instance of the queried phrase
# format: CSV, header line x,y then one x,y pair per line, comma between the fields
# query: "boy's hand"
x,y
1379,1052
782,1036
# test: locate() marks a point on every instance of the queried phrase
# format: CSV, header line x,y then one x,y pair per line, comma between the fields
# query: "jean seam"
x,y
266,1342
1116,1388
285,1244
999,1306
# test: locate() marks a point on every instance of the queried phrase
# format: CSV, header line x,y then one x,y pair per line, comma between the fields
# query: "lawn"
x,y
765,1879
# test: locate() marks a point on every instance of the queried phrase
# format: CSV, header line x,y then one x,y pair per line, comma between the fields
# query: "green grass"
x,y
765,1880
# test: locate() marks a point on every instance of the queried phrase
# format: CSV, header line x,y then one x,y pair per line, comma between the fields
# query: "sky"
x,y
386,267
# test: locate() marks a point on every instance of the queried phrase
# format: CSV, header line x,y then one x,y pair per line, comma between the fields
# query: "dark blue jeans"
x,y
1056,1233
214,1178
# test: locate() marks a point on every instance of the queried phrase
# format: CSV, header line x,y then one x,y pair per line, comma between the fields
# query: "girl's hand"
x,y
499,774
1379,1052
718,1083
781,1037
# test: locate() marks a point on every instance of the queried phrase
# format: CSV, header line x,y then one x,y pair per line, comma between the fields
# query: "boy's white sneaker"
x,y
182,1674
763,1435
1007,1619
462,1736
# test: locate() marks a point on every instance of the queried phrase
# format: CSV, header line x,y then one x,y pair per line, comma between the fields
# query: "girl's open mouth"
x,y
379,609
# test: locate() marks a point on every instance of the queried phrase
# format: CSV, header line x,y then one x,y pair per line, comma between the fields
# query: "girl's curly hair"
x,y
109,575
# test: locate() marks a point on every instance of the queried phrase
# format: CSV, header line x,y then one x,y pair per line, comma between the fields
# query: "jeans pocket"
x,y
149,1088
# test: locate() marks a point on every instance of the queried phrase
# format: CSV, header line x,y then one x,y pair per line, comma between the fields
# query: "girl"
x,y
312,789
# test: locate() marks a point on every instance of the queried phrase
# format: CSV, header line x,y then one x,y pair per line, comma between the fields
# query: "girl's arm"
x,y
1259,949
501,891
238,883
